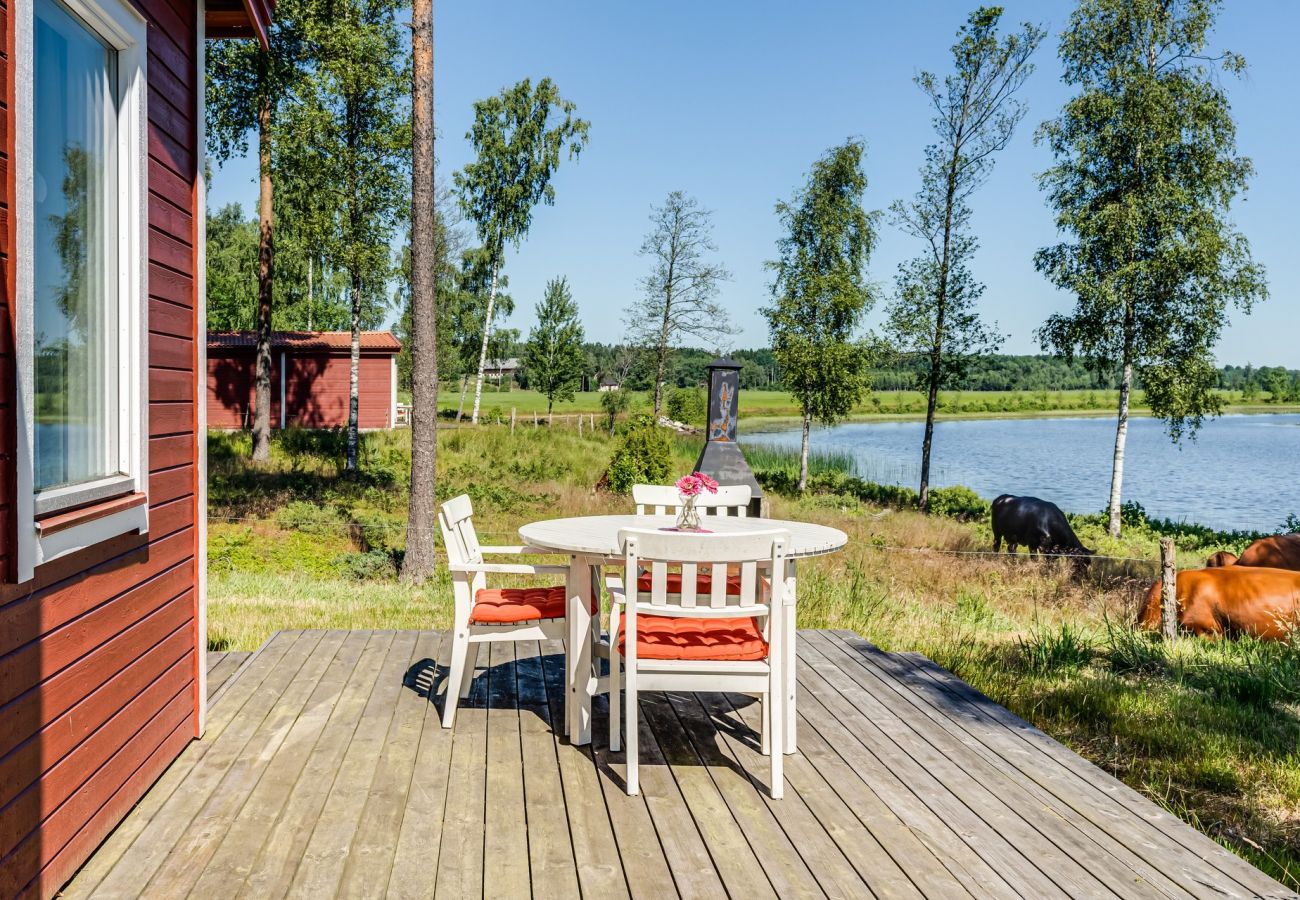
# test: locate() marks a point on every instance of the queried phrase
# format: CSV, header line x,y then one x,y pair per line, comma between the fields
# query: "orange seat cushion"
x,y
506,606
681,637
703,584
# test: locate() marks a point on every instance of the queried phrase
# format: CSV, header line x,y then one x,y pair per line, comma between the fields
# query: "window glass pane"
x,y
75,224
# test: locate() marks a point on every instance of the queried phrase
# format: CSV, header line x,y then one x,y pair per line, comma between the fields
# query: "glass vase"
x,y
688,517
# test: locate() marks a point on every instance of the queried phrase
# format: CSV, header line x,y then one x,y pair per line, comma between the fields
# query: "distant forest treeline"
x,y
997,372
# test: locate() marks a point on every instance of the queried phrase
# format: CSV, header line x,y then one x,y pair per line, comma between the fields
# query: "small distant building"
x,y
609,384
501,369
310,378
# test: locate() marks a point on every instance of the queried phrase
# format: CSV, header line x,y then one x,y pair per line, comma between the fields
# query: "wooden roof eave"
x,y
240,19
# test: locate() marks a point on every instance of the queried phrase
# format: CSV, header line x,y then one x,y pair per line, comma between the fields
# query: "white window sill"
x,y
65,533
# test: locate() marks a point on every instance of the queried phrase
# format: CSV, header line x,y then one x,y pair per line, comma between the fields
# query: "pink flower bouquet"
x,y
689,487
695,484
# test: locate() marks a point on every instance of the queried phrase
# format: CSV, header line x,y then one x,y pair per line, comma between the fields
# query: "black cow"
x,y
1039,525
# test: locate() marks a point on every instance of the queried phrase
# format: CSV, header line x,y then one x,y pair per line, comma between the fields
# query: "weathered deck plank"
x,y
326,772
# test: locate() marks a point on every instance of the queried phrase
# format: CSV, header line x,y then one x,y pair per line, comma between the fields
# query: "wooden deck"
x,y
222,665
324,772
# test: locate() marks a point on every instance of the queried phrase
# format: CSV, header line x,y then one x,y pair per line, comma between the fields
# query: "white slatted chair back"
x,y
663,499
456,520
657,553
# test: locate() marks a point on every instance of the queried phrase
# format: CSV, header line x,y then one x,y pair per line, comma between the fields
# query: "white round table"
x,y
593,541
598,535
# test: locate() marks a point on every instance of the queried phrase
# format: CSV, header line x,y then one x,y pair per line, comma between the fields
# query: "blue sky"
x,y
731,102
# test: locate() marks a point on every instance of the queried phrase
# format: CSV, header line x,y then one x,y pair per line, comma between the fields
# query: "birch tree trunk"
x,y
1121,437
931,405
487,335
265,285
354,379
418,563
803,454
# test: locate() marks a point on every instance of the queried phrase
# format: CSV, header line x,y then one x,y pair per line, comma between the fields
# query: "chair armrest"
x,y
509,569
617,595
529,551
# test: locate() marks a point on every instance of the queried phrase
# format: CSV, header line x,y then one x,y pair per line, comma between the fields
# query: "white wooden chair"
x,y
485,615
663,499
720,641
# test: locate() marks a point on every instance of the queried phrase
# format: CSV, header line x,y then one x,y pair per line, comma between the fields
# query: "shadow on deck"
x,y
324,772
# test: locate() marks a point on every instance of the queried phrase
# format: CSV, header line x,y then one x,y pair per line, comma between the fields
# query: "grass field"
x,y
767,405
1209,730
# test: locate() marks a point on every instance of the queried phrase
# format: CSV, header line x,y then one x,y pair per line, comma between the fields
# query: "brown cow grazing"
x,y
1230,601
1220,559
1282,551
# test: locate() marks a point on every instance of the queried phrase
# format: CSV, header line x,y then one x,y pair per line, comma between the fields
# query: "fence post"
x,y
512,420
534,418
1168,589
579,426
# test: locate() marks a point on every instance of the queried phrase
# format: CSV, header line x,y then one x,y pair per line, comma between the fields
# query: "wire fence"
x,y
352,527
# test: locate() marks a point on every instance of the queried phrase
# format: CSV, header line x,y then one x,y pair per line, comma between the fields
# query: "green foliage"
x,y
372,565
643,456
820,292
613,403
554,357
232,269
312,518
517,137
958,502
1146,169
688,405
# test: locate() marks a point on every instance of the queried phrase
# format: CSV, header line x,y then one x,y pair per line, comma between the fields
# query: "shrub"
x,y
643,456
958,502
379,531
688,405
373,565
614,403
301,515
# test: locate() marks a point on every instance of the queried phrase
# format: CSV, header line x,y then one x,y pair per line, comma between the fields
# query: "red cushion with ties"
x,y
507,606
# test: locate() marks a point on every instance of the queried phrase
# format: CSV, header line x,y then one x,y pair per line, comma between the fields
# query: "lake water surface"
x,y
1242,472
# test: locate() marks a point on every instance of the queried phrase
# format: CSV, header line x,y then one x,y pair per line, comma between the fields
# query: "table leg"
x,y
577,657
789,713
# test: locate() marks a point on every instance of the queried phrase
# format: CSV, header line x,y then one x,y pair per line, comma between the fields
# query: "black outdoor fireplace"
x,y
721,457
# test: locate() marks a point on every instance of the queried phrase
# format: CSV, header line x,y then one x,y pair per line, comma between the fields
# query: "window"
x,y
81,209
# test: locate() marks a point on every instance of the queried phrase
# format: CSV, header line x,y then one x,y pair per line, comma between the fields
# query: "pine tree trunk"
x,y
354,376
265,284
418,563
1121,437
482,356
803,454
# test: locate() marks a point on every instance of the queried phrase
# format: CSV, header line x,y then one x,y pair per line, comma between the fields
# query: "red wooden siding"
x,y
98,654
315,388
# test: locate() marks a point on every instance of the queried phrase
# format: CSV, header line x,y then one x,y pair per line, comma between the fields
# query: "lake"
x,y
1241,472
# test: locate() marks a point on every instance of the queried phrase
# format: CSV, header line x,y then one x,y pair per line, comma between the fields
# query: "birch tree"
x,y
678,296
518,137
352,127
821,293
934,313
1146,169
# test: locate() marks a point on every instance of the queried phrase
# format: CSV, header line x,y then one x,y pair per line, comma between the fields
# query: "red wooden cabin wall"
x,y
98,654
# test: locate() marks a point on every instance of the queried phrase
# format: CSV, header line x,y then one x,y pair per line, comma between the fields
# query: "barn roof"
x,y
305,340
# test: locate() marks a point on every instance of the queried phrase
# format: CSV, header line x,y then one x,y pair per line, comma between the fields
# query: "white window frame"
x,y
120,26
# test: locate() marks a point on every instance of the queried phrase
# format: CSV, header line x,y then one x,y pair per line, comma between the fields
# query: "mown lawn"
x,y
1209,730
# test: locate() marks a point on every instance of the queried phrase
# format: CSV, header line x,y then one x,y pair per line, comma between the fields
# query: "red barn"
x,y
102,466
310,378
